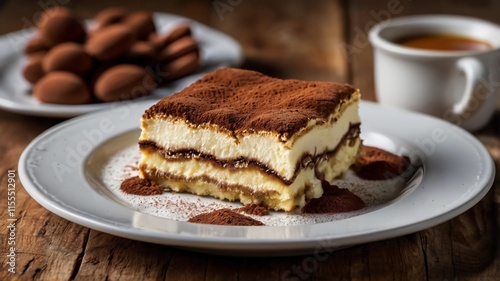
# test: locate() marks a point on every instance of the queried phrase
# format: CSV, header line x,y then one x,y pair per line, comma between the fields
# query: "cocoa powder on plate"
x,y
378,164
253,209
334,200
224,217
138,186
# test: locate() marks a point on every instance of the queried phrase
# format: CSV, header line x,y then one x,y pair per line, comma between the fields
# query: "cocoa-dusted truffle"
x,y
123,82
33,70
58,25
117,37
181,67
110,42
141,23
62,88
109,16
35,45
162,40
178,48
67,56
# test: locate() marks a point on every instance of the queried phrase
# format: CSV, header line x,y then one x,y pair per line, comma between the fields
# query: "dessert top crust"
x,y
241,100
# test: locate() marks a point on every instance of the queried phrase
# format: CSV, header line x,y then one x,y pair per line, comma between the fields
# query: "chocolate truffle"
x,y
109,16
68,56
141,23
62,88
33,71
111,42
122,82
58,25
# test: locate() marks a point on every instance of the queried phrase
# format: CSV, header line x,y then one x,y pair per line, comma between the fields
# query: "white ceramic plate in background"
x,y
216,49
457,172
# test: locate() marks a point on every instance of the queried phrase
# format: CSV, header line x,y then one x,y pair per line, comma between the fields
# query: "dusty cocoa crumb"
x,y
334,200
132,167
136,185
378,164
224,217
253,209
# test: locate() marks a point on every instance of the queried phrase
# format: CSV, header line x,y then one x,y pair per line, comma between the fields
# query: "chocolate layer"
x,y
235,163
240,100
155,175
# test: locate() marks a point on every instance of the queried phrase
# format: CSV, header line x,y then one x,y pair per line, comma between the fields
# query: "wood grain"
x,y
286,41
38,232
294,39
108,257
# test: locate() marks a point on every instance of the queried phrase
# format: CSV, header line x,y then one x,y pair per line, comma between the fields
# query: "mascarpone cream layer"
x,y
268,148
247,185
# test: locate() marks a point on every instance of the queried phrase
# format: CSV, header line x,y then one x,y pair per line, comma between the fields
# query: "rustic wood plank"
x,y
393,259
108,257
489,137
397,259
492,271
285,40
16,15
187,266
463,245
197,10
466,245
474,233
221,269
40,251
265,269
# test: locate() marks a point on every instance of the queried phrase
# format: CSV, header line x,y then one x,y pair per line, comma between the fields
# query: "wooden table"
x,y
301,39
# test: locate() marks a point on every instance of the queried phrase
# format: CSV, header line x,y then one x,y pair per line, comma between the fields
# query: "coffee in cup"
x,y
443,65
444,42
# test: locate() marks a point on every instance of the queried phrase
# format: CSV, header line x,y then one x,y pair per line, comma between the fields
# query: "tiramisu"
x,y
243,136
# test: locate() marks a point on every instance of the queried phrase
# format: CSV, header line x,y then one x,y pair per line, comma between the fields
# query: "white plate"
x,y
216,49
457,172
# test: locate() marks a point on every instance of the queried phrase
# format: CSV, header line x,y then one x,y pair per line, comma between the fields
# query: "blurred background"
x,y
311,40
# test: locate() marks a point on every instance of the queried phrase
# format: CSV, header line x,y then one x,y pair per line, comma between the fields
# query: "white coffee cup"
x,y
459,86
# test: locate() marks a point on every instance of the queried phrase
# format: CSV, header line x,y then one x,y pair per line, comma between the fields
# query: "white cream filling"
x,y
305,185
264,147
249,177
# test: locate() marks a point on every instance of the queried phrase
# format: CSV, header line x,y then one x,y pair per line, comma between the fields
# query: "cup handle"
x,y
474,71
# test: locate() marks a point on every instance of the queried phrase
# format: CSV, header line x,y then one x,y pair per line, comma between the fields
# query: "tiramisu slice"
x,y
240,135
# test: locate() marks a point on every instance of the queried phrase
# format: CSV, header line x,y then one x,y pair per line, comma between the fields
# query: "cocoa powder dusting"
x,y
253,209
132,167
334,200
378,164
238,100
138,186
224,217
